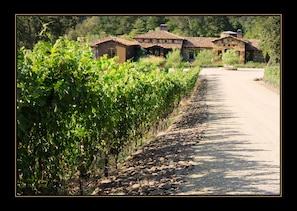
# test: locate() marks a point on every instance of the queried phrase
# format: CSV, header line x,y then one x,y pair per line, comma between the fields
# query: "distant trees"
x,y
28,28
199,26
265,28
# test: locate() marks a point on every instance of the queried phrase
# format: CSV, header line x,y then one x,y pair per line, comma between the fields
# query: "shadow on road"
x,y
224,162
186,161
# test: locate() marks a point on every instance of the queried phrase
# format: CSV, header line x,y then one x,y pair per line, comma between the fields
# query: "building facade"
x,y
160,42
115,46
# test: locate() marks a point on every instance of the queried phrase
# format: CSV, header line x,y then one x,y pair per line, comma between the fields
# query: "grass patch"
x,y
272,75
251,64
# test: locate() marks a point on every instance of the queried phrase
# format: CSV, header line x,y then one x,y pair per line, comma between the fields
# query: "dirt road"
x,y
225,141
240,153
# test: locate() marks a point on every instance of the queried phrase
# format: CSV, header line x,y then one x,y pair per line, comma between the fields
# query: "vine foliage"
x,y
75,112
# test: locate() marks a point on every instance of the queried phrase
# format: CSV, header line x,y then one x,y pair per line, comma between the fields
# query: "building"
x,y
115,46
160,42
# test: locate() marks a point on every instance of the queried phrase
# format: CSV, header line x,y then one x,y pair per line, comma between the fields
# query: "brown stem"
x,y
106,166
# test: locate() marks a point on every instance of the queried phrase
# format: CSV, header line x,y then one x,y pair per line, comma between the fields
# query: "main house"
x,y
160,42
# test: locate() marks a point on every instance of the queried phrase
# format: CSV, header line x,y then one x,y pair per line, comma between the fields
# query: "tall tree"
x,y
215,25
89,26
139,27
235,22
154,21
271,38
185,25
28,28
126,24
251,26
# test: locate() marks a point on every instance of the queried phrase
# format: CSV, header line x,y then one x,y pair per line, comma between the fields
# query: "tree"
x,y
126,25
154,21
215,25
251,26
139,27
86,28
29,28
270,38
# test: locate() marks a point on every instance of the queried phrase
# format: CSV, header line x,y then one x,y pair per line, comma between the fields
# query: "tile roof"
x,y
252,44
207,42
236,38
203,42
163,45
188,42
113,38
159,34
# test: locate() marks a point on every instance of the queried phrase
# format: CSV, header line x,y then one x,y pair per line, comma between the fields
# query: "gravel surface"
x,y
225,141
240,154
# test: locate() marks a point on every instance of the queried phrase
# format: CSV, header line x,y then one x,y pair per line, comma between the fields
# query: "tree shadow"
x,y
224,160
185,160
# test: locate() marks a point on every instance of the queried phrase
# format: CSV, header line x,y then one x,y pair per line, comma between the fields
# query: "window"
x,y
111,52
191,54
249,55
95,52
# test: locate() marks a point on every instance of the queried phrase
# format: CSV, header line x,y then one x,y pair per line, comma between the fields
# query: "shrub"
x,y
230,57
152,60
174,58
204,58
272,75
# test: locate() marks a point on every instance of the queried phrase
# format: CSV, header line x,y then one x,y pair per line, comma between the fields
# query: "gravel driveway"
x,y
240,154
225,141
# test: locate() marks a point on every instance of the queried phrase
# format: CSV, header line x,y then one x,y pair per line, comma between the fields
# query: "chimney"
x,y
163,27
239,33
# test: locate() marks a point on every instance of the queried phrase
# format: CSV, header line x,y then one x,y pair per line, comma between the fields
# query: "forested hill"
x,y
28,27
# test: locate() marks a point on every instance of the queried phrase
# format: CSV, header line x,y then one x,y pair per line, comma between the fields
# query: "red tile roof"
x,y
112,38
